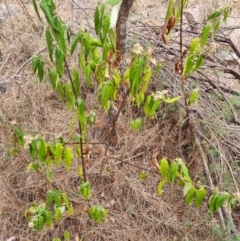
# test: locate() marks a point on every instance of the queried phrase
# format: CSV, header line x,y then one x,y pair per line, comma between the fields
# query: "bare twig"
x,y
207,171
112,128
79,124
235,117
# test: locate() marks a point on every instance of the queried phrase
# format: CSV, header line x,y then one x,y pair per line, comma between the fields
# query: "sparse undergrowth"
x,y
115,149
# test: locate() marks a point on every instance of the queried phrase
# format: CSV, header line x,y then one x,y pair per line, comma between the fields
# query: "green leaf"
x,y
60,36
85,189
169,11
160,186
194,45
67,236
94,42
151,106
135,75
86,42
113,38
35,63
60,89
54,78
69,35
33,149
76,81
227,12
70,210
190,195
105,52
107,94
212,202
164,168
114,16
97,20
57,198
173,171
140,99
188,65
81,114
40,70
19,134
58,214
193,98
42,147
91,118
146,78
58,153
65,198
47,217
199,62
216,25
67,157
39,223
70,96
97,213
136,124
205,34
171,100
95,54
214,15
187,187
33,166
112,2
36,9
76,41
222,199
49,197
105,27
49,40
200,195
143,176
59,61
88,74
185,173
49,174
48,8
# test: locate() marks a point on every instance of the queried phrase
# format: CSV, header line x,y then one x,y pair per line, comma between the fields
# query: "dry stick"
x,y
211,83
224,69
228,41
111,131
4,62
225,160
181,59
224,209
19,70
136,166
19,202
28,60
198,135
235,117
9,15
26,12
207,171
79,124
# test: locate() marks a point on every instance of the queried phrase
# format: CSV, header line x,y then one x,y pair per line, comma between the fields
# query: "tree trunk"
x,y
121,28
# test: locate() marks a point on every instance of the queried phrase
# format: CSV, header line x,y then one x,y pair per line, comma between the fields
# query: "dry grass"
x,y
135,210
